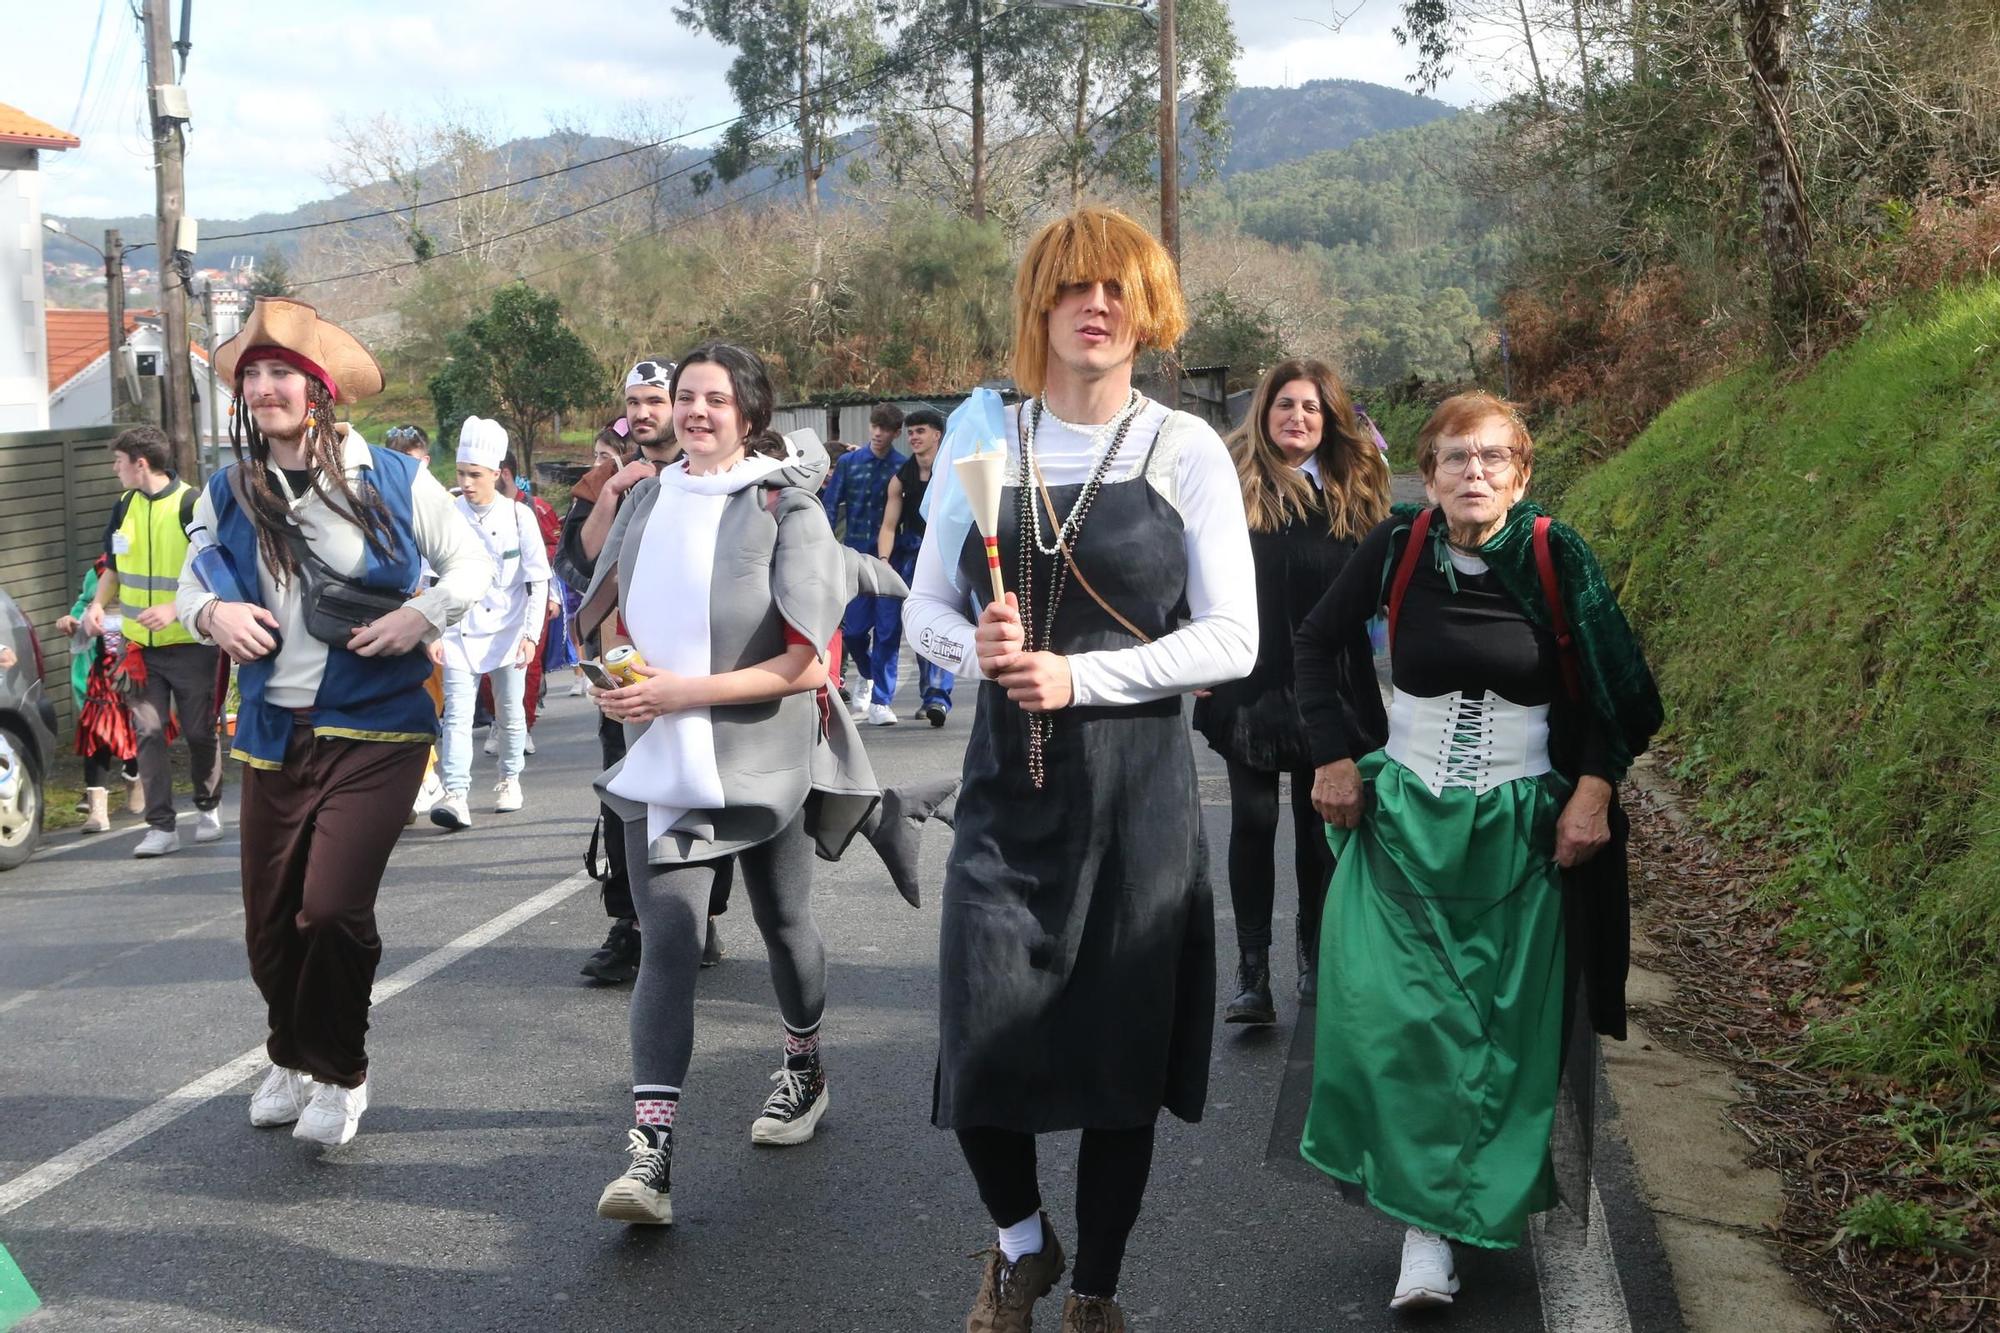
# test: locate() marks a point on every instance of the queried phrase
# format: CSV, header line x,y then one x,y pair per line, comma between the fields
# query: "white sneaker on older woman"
x,y
1428,1277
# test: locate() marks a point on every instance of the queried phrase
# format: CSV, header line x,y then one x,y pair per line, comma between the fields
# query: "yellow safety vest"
x,y
150,547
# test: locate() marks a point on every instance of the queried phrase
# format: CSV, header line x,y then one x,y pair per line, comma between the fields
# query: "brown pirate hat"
x,y
293,332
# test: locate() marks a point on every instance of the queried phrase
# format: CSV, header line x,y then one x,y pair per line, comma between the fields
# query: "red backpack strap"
x,y
1545,565
1420,529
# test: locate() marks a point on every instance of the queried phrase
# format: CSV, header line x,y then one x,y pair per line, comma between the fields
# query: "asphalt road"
x,y
135,1194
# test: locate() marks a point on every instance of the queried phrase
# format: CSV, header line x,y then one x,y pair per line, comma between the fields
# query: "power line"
x,y
893,68
89,64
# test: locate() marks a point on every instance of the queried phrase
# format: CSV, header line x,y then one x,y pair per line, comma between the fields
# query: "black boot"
x,y
1308,967
711,947
616,961
1253,1004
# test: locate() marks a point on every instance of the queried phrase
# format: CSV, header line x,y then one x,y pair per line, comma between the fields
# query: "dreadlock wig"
x,y
323,449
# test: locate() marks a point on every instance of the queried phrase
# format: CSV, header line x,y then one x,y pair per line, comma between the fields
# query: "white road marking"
x,y
1578,1276
73,1162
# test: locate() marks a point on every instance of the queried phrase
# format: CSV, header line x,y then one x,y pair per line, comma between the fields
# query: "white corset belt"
x,y
1453,741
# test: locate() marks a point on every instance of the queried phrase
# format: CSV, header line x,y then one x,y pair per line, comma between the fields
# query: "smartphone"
x,y
594,672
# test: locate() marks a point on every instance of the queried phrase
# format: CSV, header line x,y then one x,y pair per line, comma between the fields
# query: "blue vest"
x,y
359,698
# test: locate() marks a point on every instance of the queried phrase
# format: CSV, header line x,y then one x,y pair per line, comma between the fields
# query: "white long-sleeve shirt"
x,y
444,539
1193,471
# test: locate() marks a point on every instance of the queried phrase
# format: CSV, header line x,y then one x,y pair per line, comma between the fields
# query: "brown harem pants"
x,y
316,838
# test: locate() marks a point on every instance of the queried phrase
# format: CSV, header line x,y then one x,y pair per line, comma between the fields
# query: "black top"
x,y
910,523
300,479
1456,632
1255,721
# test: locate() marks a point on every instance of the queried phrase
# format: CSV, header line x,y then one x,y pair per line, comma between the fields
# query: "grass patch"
x,y
1813,565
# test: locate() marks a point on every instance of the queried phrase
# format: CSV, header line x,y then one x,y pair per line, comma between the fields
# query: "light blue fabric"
x,y
977,425
461,694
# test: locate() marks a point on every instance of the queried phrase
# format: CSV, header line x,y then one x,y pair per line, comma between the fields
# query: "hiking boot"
x,y
1008,1292
1253,1003
711,947
794,1108
644,1194
1092,1314
616,961
1428,1277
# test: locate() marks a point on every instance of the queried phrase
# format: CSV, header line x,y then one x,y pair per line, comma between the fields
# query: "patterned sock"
x,y
654,1106
801,1043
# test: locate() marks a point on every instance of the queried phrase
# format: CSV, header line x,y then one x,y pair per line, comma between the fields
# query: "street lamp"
x,y
113,255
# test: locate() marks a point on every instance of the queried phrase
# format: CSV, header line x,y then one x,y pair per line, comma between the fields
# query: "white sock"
x,y
1023,1237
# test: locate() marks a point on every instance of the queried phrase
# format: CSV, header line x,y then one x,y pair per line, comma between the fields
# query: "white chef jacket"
x,y
491,633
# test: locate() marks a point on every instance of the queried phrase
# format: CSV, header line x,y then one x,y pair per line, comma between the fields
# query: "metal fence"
x,y
56,494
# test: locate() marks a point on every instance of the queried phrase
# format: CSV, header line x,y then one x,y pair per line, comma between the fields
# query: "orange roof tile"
x,y
17,126
78,337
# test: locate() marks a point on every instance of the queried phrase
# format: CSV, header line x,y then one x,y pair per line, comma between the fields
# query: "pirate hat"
x,y
294,333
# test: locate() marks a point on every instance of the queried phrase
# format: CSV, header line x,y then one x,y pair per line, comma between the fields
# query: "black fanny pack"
x,y
335,607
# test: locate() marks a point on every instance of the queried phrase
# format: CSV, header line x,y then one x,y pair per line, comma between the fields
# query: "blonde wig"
x,y
1354,478
1093,245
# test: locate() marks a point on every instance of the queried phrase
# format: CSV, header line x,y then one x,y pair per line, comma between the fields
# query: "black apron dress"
x,y
1077,955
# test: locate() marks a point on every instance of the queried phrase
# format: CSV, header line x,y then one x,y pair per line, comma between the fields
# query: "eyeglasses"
x,y
1494,462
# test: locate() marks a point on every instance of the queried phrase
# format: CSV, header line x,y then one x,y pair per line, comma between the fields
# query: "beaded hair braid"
x,y
271,512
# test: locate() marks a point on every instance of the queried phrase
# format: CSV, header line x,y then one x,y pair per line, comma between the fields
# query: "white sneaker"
x,y
507,796
450,812
158,842
881,715
281,1098
576,687
208,827
858,711
1428,1277
528,743
333,1114
428,795
492,741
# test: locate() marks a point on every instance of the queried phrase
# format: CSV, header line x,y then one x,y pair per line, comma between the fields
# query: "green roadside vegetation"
x,y
1812,562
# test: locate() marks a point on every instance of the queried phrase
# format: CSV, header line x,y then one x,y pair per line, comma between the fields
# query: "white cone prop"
x,y
979,475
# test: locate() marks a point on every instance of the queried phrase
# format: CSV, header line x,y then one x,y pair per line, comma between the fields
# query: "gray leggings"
x,y
673,917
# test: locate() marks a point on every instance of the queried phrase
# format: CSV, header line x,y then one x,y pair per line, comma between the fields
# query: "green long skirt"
x,y
1439,1031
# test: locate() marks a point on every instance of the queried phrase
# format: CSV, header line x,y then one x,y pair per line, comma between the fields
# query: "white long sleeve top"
x,y
444,539
1193,471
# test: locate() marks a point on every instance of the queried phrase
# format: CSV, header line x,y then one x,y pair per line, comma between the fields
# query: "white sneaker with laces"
x,y
492,741
281,1098
208,826
428,795
506,796
333,1114
1428,1277
451,813
881,715
158,842
528,743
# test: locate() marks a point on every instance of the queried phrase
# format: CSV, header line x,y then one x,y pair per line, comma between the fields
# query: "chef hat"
x,y
654,371
482,443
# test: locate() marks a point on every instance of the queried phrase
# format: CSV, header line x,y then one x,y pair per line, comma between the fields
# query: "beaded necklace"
x,y
1037,637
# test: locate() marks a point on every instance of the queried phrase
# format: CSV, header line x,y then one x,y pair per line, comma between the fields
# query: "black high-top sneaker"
x,y
644,1194
616,961
792,1111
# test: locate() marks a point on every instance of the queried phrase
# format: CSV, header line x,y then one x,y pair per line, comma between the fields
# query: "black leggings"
x,y
1111,1170
1253,837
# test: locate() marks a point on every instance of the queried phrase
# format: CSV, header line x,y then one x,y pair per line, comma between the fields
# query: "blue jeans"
x,y
872,630
461,692
933,681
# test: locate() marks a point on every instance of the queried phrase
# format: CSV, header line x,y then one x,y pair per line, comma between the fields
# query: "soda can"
x,y
620,661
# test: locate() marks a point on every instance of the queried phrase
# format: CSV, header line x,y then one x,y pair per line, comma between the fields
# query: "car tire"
x,y
21,818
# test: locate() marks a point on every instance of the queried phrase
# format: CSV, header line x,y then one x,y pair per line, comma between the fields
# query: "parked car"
x,y
27,738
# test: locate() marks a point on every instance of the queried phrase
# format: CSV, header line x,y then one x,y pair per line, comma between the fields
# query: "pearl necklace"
x,y
1031,415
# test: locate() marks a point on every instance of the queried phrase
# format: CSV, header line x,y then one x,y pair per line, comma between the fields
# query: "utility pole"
x,y
169,110
114,305
214,418
1170,176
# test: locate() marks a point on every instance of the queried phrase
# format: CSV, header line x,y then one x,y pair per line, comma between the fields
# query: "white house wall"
x,y
24,373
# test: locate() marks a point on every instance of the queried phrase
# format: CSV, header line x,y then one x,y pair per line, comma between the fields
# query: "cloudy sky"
x,y
269,84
